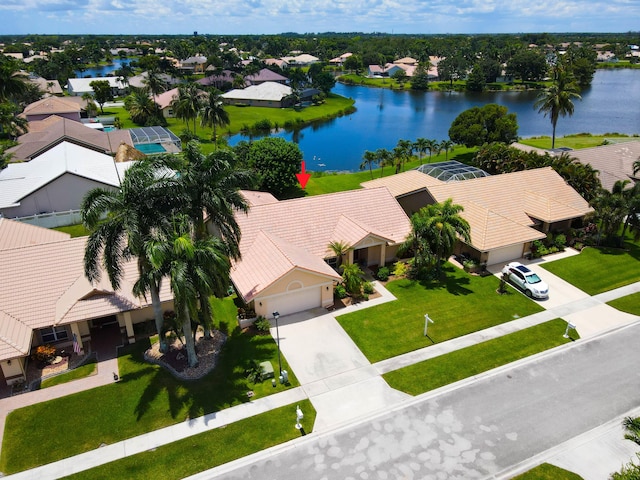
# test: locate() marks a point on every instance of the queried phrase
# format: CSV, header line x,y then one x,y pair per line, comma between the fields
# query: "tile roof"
x,y
44,285
18,234
52,105
265,75
267,91
257,198
18,180
614,162
278,236
165,98
46,133
403,183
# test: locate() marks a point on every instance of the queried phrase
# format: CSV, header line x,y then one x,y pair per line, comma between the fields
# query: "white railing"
x,y
53,219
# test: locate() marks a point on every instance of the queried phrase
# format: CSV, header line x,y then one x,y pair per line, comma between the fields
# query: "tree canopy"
x,y
480,125
275,162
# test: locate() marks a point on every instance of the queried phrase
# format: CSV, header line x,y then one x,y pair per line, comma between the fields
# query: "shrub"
x,y
400,269
262,125
45,353
560,241
187,135
367,288
262,324
383,274
339,291
254,372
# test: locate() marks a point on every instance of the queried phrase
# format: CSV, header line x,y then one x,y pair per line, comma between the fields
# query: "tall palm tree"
x,y
121,222
432,146
141,106
369,159
557,101
406,147
193,265
155,85
213,113
421,145
384,159
13,81
187,104
610,209
209,185
446,145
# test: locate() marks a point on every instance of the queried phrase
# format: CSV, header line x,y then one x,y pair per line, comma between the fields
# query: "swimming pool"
x,y
150,148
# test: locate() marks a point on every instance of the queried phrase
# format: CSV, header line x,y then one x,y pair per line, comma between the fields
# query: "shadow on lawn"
x,y
225,386
450,279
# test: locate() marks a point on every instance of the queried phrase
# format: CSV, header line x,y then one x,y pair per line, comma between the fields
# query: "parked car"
x,y
526,279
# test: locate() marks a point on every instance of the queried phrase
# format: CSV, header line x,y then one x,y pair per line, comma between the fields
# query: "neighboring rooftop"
x,y
613,162
15,234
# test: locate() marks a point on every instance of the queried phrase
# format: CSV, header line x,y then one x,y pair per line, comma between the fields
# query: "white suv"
x,y
528,281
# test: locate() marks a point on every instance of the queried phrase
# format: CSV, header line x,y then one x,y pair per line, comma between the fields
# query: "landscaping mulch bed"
x,y
175,360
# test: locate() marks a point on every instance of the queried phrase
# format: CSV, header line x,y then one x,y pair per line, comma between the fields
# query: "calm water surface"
x,y
611,104
102,70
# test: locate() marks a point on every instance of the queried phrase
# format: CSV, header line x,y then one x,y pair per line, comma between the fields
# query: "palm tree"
x,y
340,249
632,426
352,278
193,265
632,206
121,222
155,84
610,209
210,184
433,146
13,81
369,159
11,125
187,104
406,147
421,145
384,157
446,145
435,230
636,167
141,106
558,99
213,113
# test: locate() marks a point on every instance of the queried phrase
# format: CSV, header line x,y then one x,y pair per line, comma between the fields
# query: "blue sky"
x,y
308,16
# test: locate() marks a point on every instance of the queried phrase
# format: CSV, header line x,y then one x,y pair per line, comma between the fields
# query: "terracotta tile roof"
x,y
277,237
15,337
165,98
403,183
47,133
265,75
270,258
44,285
614,162
257,198
18,234
52,105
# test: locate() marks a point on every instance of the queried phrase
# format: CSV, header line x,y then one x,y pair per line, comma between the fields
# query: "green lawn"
x,y
321,183
81,372
210,449
77,230
546,471
629,304
146,398
449,368
459,305
598,270
583,140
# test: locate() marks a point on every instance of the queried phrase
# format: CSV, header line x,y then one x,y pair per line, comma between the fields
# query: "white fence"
x,y
52,220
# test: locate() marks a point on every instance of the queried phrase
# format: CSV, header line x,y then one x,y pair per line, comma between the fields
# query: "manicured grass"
x,y
146,398
77,230
210,449
629,304
583,140
322,183
449,368
81,372
546,471
458,305
598,270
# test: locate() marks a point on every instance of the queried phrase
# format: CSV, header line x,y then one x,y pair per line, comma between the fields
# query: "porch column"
x,y
350,256
383,255
129,326
75,330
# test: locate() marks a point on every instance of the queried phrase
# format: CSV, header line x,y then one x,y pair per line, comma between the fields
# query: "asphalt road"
x,y
475,431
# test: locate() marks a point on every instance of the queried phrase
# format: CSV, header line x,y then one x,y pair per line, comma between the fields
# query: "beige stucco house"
x,y
287,265
506,212
46,299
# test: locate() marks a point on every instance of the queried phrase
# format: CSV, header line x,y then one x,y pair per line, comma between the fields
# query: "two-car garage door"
x,y
505,254
295,301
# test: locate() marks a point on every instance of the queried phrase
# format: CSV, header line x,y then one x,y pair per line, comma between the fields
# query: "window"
x,y
332,262
53,334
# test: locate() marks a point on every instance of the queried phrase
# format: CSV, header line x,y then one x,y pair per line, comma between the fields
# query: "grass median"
x,y
458,304
208,450
451,367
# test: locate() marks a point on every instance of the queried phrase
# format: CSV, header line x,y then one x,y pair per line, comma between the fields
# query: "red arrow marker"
x,y
303,177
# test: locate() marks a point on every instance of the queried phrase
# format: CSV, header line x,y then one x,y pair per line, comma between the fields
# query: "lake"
x,y
384,116
102,70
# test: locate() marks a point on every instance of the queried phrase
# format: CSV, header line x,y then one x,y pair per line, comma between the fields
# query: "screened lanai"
x,y
155,140
451,171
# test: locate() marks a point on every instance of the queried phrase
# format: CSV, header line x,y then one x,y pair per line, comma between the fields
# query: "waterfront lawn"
x,y
629,304
146,398
577,141
187,457
83,371
464,363
599,269
546,471
321,183
459,304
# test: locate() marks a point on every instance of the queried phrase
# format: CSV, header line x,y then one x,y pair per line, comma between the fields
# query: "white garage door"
x,y
505,255
296,301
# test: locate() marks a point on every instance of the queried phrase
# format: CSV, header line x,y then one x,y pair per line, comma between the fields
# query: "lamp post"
x,y
276,316
427,321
